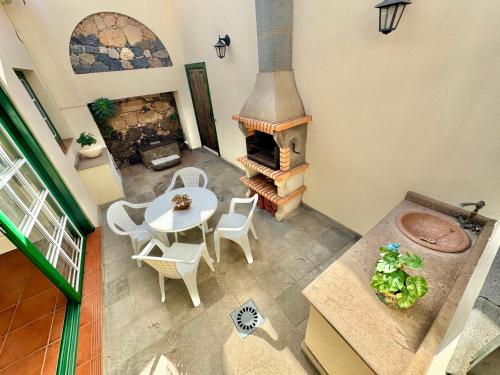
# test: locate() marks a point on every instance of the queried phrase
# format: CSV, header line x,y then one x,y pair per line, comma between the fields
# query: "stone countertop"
x,y
85,163
394,341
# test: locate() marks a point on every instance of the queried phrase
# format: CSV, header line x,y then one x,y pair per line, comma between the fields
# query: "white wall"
x,y
46,28
13,54
415,110
230,79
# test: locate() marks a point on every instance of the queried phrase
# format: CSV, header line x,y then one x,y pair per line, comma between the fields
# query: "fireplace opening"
x,y
262,149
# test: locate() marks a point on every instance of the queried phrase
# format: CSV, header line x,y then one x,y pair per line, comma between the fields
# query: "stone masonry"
x,y
140,120
106,42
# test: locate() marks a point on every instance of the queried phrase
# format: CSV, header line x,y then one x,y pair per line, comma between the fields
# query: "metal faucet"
x,y
466,222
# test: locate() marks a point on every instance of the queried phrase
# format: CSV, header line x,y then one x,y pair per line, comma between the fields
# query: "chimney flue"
x,y
275,97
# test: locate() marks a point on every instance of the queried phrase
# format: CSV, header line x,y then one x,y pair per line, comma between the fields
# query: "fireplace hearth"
x,y
262,149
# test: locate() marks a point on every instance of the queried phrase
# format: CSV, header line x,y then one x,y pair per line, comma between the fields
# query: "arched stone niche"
x,y
107,41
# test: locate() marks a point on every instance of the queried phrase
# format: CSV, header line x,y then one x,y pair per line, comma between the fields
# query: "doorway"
x,y
202,103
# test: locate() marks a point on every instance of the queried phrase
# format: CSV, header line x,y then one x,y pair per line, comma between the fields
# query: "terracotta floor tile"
x,y
92,281
92,260
61,300
24,341
37,283
9,294
34,308
51,358
31,365
15,267
84,344
84,368
57,325
5,319
86,309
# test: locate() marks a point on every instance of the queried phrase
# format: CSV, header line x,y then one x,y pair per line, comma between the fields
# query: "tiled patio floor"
x,y
144,336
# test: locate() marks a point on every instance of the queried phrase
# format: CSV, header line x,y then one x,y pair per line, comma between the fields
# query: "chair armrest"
x,y
231,229
129,233
136,205
235,201
154,242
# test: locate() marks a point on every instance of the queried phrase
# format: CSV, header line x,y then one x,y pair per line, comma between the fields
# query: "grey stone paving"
x,y
144,336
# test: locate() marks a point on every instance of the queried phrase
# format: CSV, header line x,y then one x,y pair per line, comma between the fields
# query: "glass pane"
x,y
3,166
65,269
8,148
48,223
40,241
399,13
32,179
11,209
53,208
22,191
73,234
70,250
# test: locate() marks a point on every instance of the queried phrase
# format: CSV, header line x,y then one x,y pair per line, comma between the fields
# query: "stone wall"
x,y
106,42
141,120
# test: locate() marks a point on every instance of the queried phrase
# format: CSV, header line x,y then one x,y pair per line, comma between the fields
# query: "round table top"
x,y
161,216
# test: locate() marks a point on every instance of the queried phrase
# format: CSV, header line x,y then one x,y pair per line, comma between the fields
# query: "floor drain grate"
x,y
247,318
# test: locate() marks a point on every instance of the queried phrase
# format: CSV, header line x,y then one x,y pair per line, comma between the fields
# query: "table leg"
x,y
205,253
163,237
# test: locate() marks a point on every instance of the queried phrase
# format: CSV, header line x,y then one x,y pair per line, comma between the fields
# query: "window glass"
x,y
12,209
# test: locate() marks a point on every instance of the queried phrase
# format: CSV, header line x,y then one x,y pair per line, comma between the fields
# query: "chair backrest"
x,y
253,200
190,177
118,219
165,267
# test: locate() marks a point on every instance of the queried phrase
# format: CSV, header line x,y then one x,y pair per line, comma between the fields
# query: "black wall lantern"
x,y
390,14
221,45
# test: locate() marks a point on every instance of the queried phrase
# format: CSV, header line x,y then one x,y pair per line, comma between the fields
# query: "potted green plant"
x,y
178,133
90,149
103,110
393,285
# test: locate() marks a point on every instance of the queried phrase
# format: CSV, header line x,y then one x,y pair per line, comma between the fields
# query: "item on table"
x,y
181,202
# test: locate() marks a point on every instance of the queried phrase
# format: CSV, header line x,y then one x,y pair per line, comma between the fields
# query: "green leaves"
x,y
388,282
416,286
411,261
391,281
405,299
388,263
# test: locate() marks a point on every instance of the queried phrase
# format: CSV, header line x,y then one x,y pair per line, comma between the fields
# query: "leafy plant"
x,y
103,110
174,117
393,284
86,139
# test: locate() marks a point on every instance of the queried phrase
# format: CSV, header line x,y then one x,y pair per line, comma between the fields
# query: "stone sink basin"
x,y
433,231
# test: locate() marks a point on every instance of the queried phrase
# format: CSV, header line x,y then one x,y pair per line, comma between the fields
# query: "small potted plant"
x,y
103,110
393,285
90,149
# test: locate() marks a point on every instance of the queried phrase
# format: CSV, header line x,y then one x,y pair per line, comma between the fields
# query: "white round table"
x,y
161,217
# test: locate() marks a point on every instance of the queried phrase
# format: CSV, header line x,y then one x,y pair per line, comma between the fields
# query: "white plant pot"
x,y
91,151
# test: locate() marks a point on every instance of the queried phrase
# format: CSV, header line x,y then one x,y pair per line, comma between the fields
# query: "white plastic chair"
x,y
180,261
190,177
235,227
121,223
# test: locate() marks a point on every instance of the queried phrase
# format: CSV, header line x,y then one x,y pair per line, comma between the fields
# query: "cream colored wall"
x,y
230,79
46,28
415,110
13,54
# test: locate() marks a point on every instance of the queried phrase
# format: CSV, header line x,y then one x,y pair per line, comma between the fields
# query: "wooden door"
x,y
200,94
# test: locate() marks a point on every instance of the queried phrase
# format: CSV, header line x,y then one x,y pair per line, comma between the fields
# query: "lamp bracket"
x,y
226,39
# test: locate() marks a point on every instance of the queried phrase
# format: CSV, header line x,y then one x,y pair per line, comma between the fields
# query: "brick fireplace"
x,y
273,119
280,190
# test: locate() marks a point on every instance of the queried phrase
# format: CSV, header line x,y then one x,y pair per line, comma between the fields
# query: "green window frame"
x,y
15,127
39,106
